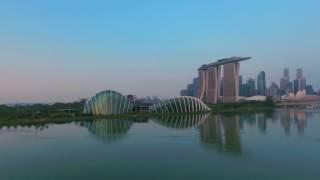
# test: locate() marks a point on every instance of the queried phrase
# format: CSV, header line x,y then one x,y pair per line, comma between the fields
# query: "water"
x,y
279,145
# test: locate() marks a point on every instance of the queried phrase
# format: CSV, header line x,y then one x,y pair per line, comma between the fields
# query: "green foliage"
x,y
37,111
269,102
243,106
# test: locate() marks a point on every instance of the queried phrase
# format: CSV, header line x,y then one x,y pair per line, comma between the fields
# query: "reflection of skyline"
x,y
286,119
298,117
223,132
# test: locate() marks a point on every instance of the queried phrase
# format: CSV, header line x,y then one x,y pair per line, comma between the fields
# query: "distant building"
x,y
251,85
273,90
192,89
285,84
210,80
261,83
299,84
248,89
221,86
184,92
309,90
195,88
131,97
289,88
244,90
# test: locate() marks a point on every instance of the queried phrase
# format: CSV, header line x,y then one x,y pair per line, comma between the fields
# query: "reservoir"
x,y
283,144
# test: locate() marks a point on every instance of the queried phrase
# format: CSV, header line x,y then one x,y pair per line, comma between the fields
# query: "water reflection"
x,y
23,127
108,130
299,118
221,133
181,121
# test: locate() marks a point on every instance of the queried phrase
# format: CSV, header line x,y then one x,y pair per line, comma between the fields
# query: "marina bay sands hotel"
x,y
210,79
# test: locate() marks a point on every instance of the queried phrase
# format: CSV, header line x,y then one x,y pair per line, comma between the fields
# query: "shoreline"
x,y
134,116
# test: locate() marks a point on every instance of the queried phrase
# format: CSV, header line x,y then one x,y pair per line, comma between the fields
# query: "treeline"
x,y
35,111
244,106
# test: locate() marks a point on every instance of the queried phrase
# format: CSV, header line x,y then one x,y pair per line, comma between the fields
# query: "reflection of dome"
x,y
108,129
180,105
108,102
181,121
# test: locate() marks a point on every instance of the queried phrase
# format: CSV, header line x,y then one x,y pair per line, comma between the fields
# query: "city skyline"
x,y
61,51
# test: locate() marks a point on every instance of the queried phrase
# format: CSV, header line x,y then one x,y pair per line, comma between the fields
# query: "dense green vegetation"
x,y
248,106
65,112
38,111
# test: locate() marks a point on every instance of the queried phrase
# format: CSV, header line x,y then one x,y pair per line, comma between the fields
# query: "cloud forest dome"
x,y
183,104
108,102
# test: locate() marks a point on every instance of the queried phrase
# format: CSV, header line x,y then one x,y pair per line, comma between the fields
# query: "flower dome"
x,y
183,104
106,103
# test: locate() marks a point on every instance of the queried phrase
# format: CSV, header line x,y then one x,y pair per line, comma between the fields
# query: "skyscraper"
x,y
192,89
210,80
300,83
285,85
309,90
261,83
273,90
251,85
231,82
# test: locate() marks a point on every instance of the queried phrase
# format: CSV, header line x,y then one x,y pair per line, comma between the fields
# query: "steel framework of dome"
x,y
106,103
183,104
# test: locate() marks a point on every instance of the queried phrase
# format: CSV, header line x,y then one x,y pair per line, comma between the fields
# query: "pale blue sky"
x,y
58,50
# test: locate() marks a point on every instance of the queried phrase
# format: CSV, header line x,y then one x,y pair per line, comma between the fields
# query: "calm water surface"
x,y
279,145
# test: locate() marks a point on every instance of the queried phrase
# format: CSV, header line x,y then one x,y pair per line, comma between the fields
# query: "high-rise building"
x,y
309,90
251,85
209,85
244,90
192,89
261,83
285,83
210,80
221,87
300,83
195,88
231,82
273,90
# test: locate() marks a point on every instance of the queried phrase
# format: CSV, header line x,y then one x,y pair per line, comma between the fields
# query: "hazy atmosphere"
x,y
64,50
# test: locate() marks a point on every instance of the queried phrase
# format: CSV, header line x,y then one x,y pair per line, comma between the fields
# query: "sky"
x,y
59,51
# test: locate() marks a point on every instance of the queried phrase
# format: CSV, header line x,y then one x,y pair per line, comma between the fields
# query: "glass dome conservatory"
x,y
106,103
183,104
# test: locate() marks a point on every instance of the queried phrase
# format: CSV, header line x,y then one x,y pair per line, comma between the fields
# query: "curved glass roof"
x,y
183,104
107,102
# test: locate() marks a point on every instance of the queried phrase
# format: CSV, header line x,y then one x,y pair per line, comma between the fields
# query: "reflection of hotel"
x,y
210,76
223,132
